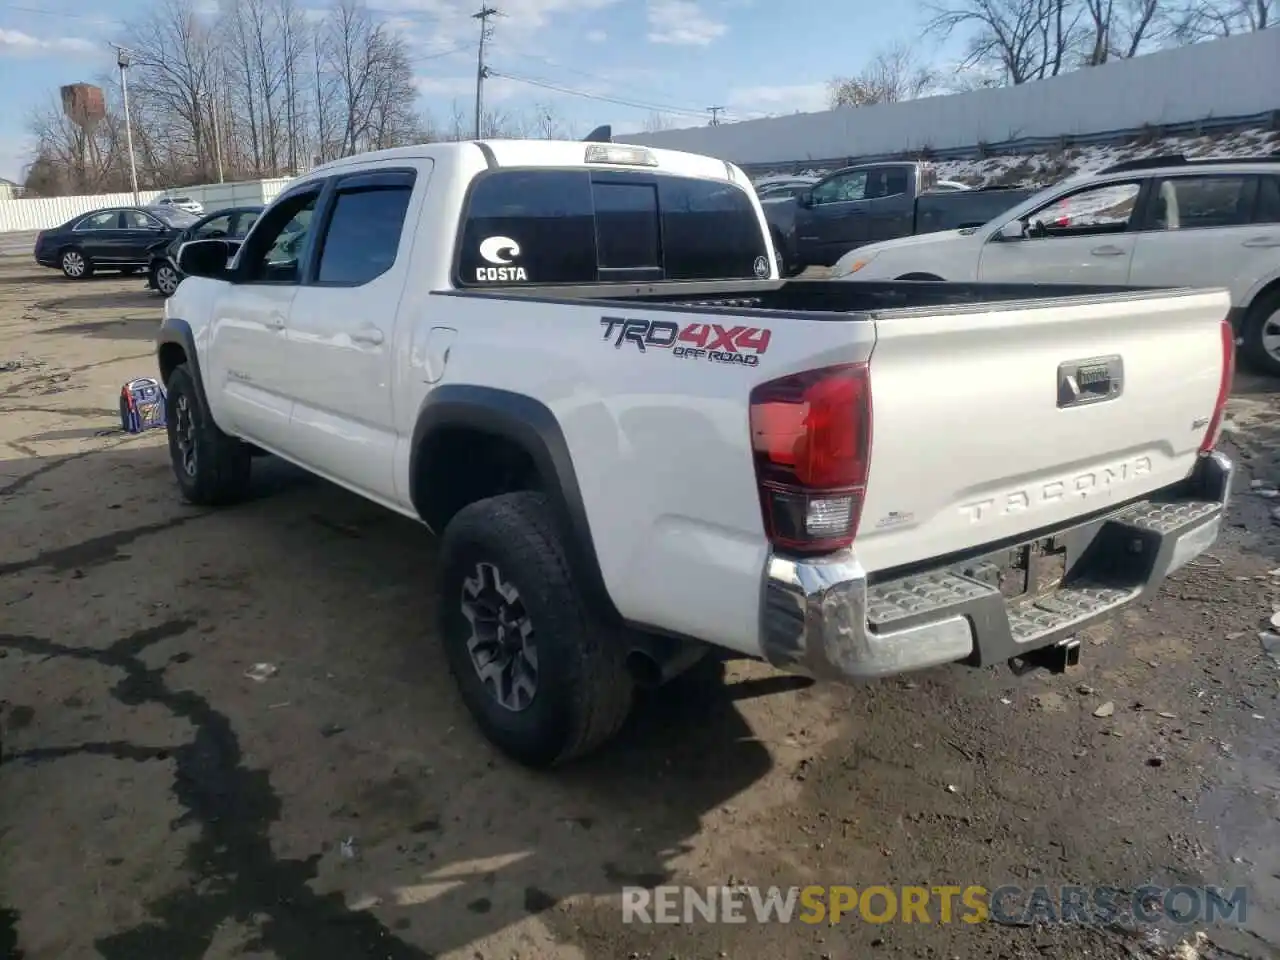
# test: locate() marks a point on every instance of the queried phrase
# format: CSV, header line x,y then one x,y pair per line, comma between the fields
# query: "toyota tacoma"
x,y
577,364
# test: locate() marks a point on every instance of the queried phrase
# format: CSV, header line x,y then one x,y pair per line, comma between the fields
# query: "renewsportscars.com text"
x,y
932,904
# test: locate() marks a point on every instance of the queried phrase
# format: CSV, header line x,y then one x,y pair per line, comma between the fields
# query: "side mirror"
x,y
1013,230
204,258
804,198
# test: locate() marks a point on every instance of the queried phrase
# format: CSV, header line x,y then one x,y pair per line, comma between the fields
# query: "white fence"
x,y
1235,77
53,211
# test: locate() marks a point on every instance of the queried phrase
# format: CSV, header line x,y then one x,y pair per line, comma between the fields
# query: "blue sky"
x,y
676,57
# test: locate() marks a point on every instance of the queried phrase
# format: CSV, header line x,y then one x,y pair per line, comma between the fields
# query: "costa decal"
x,y
761,267
709,342
500,251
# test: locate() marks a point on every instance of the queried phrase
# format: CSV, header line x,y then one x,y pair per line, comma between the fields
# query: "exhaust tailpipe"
x,y
653,660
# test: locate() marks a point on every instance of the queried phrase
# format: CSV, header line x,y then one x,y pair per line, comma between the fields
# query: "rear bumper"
x,y
822,618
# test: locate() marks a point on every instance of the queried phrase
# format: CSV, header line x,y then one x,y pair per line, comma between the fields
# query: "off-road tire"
x,y
1252,352
584,692
222,463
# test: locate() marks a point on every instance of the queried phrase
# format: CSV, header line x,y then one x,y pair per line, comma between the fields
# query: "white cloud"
x,y
596,36
751,102
452,19
682,23
15,43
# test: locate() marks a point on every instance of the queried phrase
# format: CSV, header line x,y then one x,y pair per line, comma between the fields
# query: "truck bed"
x,y
965,208
983,433
823,299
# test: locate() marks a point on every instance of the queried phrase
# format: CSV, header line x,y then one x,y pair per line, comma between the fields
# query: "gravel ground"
x,y
156,803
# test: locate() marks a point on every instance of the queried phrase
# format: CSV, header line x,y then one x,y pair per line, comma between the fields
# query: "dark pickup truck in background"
x,y
872,202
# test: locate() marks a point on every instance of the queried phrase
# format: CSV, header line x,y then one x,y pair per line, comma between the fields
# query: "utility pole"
x,y
486,33
122,61
715,115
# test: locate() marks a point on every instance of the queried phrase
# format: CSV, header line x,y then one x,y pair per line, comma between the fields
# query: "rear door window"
x,y
106,220
585,226
1189,203
1268,210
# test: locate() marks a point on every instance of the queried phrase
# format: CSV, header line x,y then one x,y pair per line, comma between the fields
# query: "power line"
x,y
66,15
580,72
461,48
620,101
715,115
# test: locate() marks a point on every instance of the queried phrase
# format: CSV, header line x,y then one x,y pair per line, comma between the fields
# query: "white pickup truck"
x,y
575,361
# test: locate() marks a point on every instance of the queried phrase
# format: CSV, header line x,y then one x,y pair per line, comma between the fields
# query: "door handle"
x,y
371,335
1107,251
1262,242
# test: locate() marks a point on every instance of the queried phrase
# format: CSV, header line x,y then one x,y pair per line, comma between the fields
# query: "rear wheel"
x,y
1261,334
544,680
75,265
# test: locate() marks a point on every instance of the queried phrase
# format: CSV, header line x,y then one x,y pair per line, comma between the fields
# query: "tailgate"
x,y
976,439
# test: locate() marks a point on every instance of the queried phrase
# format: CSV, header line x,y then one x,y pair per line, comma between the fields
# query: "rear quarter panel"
x,y
660,444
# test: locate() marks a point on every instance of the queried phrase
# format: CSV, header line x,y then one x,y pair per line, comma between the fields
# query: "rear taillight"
x,y
1224,388
811,438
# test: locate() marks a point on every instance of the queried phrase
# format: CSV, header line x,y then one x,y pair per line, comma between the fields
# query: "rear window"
x,y
585,226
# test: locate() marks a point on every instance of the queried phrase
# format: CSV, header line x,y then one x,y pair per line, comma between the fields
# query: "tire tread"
x,y
600,688
223,462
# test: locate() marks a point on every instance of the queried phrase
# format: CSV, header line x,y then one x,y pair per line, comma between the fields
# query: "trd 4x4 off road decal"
x,y
714,342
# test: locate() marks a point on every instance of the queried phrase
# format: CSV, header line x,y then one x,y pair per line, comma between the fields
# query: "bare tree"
x,y
657,122
892,76
293,48
170,80
547,124
283,83
1198,20
373,78
69,159
1028,39
1119,29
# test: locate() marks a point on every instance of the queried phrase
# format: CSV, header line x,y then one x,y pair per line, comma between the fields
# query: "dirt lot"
x,y
157,804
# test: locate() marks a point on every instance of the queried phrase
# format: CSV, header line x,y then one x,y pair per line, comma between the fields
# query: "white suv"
x,y
1162,221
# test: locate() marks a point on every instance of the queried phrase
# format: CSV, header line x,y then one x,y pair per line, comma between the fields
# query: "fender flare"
x,y
179,332
530,425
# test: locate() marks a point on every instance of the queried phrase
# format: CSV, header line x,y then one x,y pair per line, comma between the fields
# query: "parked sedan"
x,y
117,238
231,224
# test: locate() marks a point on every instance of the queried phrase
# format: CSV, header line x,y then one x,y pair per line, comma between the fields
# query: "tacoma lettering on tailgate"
x,y
713,342
1082,486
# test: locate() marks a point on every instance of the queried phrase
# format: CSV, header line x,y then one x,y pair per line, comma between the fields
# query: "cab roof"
x,y
544,153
